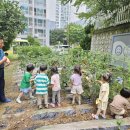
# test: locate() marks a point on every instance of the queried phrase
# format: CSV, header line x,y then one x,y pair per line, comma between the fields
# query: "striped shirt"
x,y
41,81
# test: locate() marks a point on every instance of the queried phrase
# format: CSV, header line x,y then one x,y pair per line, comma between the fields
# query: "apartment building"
x,y
62,14
36,22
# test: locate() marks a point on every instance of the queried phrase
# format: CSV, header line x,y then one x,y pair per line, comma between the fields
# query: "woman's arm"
x,y
3,60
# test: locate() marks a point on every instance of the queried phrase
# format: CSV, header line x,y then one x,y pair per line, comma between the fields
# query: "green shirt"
x,y
25,83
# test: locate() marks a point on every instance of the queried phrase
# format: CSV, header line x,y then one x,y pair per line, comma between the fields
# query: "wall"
x,y
102,39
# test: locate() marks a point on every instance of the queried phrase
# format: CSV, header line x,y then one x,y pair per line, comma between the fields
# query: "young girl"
x,y
76,83
103,96
41,81
25,83
55,82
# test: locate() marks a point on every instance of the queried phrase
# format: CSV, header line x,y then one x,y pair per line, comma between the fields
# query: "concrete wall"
x,y
102,39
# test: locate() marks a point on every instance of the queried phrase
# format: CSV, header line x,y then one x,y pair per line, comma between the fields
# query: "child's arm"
x,y
103,94
3,60
99,81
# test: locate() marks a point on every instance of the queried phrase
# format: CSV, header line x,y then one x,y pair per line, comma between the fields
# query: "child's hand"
x,y
87,77
31,80
99,81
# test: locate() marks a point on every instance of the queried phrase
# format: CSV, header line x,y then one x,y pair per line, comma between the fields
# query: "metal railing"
x,y
123,16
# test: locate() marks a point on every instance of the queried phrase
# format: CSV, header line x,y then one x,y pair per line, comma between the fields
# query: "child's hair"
x,y
125,92
43,67
77,69
54,70
30,67
107,77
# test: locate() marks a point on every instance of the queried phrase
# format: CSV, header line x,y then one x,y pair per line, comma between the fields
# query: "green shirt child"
x,y
25,83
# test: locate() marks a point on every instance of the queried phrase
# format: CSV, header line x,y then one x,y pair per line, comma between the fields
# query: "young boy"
x,y
25,83
120,103
41,82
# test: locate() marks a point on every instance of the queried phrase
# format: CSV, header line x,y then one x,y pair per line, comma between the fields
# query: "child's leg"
x,y
98,111
58,97
79,99
30,94
39,101
104,113
46,100
95,116
19,97
53,97
74,96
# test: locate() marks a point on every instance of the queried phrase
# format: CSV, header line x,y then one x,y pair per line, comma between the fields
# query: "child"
x,y
120,104
55,82
103,96
76,83
25,83
41,81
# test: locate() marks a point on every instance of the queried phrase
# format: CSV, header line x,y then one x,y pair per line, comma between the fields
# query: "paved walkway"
x,y
91,125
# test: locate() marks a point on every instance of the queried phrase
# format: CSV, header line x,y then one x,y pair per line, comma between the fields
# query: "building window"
x,y
39,22
30,22
44,23
40,3
30,1
40,32
38,12
30,10
24,8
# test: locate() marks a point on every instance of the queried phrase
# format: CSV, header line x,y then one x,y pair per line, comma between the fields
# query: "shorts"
x,y
103,106
117,111
77,89
25,90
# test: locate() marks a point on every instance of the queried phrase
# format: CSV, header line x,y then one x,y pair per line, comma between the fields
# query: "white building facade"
x,y
36,22
45,15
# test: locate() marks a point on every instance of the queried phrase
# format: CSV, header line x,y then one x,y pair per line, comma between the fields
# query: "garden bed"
x,y
21,116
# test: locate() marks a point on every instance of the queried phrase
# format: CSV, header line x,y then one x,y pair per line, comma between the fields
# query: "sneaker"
x,y
73,102
95,116
104,117
59,105
46,106
79,103
40,107
7,100
118,117
18,100
32,97
52,104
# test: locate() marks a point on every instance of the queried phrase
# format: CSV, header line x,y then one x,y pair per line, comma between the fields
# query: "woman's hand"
x,y
7,62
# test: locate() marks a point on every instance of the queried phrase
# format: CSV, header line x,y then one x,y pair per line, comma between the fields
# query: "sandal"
x,y
95,116
104,117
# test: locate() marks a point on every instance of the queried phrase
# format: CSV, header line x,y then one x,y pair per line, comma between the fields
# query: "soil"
x,y
25,121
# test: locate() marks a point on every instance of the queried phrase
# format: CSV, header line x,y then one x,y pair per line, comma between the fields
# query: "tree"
x,y
86,42
74,33
96,6
33,41
57,35
11,21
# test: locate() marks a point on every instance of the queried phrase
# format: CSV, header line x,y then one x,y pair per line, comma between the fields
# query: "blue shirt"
x,y
2,54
